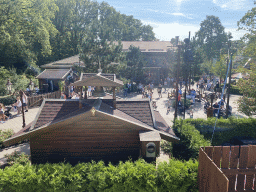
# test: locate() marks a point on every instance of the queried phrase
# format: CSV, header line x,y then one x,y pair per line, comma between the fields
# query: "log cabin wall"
x,y
86,141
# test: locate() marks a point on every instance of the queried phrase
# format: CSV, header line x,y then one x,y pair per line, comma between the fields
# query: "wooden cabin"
x,y
81,130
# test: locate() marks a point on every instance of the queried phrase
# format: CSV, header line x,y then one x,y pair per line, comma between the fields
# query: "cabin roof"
x,y
54,74
64,63
54,112
99,79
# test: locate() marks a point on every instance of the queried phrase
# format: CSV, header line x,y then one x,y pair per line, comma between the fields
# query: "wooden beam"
x,y
114,97
239,171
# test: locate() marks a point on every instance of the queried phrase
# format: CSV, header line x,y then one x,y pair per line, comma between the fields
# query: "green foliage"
x,y
166,146
210,36
5,135
220,67
17,157
177,176
190,141
128,176
225,128
8,100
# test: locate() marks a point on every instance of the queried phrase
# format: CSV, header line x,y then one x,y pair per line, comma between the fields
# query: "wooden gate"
x,y
227,169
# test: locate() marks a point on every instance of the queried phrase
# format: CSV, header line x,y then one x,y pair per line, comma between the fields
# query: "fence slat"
x,y
242,165
225,157
250,164
208,151
217,155
233,164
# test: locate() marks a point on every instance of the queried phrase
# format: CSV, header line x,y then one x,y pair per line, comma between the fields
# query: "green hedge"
x,y
8,100
231,127
190,141
5,135
138,176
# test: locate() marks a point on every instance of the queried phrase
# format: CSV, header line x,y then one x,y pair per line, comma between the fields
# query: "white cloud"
x,y
236,34
166,31
233,4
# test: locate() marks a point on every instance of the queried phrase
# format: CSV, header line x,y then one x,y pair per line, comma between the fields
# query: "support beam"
x,y
22,108
80,97
114,97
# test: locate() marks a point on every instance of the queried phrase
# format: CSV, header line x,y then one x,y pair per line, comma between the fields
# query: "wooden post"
x,y
114,97
22,108
80,98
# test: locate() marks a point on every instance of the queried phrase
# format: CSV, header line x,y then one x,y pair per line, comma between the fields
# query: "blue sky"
x,y
170,18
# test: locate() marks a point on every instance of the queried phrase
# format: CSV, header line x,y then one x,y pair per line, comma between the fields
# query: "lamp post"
x,y
31,85
9,86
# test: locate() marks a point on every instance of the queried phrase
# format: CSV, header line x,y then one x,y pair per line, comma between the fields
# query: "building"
x,y
62,71
157,56
94,129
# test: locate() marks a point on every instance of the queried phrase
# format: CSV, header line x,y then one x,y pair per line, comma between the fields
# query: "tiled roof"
x,y
99,79
53,111
137,109
148,46
107,75
161,123
65,63
53,74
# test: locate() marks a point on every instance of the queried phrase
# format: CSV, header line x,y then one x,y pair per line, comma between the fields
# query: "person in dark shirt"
x,y
216,107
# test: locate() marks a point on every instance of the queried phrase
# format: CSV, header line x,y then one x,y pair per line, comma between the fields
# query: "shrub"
x,y
166,147
17,157
128,176
190,141
5,135
231,127
8,100
177,176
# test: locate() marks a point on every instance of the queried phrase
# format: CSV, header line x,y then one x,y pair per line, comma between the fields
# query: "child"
x,y
18,104
2,116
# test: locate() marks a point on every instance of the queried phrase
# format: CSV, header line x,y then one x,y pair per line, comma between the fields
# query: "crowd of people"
x,y
15,108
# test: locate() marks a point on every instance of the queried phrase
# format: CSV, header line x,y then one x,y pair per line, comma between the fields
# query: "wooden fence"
x,y
227,169
38,99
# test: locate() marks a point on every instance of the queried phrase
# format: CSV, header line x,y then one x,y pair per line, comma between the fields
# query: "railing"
x,y
38,99
227,169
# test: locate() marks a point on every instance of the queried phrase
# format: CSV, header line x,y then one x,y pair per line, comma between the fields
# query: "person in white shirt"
x,y
25,101
18,105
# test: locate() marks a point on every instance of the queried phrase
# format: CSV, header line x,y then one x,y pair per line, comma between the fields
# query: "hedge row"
x,y
175,176
190,141
232,126
8,100
5,135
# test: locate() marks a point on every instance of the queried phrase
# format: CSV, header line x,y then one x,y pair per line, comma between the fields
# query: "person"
x,y
63,96
2,116
125,90
18,105
25,101
159,90
37,89
192,95
216,108
89,91
165,85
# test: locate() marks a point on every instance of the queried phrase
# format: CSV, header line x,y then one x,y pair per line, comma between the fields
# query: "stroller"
x,y
7,112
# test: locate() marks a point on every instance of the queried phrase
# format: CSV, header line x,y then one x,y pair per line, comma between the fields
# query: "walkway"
x,y
16,122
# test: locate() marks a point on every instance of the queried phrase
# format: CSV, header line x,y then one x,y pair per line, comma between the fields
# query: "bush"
x,y
17,157
5,135
190,141
177,176
8,100
128,176
235,90
231,127
166,147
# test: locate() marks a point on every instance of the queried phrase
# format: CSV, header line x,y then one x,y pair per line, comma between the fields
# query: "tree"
x,y
247,104
220,67
210,37
135,63
25,30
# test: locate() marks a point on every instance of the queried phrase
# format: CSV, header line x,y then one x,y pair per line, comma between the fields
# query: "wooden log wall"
x,y
84,142
237,163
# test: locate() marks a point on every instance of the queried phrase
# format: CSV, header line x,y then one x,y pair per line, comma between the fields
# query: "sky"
x,y
170,18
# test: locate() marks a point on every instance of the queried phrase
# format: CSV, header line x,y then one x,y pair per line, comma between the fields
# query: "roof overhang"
x,y
97,80
93,112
